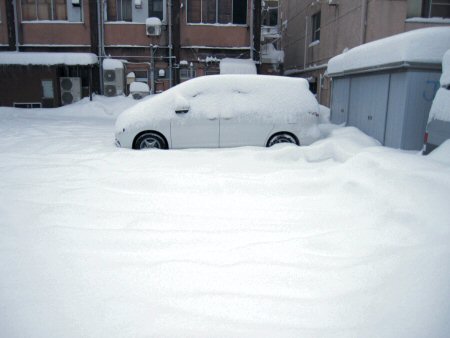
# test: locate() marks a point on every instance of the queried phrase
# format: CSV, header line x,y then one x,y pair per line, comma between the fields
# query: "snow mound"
x,y
139,87
426,45
48,59
324,114
341,145
445,78
237,66
441,153
440,109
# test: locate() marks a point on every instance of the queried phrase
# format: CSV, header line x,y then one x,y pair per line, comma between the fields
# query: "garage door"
x,y
368,104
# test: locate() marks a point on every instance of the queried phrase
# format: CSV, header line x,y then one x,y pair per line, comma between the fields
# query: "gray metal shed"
x,y
386,87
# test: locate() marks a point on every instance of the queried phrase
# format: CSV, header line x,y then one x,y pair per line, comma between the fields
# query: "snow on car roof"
x,y
237,66
47,59
426,45
244,96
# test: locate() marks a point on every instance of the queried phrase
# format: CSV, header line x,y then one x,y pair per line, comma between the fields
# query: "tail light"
x,y
425,138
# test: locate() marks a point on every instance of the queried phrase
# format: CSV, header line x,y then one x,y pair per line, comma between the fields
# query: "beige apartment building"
x,y
313,31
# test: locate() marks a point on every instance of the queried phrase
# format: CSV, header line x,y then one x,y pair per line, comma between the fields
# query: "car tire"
x,y
150,141
282,138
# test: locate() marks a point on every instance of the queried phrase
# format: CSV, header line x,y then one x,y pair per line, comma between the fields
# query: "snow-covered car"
x,y
223,111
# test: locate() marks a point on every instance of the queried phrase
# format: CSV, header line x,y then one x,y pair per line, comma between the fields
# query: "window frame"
x,y
427,8
52,12
164,10
217,15
119,4
315,27
190,72
47,85
27,105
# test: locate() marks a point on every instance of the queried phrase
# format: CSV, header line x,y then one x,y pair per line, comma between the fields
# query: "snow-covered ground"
x,y
343,238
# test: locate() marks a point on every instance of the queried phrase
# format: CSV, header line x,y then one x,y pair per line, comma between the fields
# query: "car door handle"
x,y
227,118
212,118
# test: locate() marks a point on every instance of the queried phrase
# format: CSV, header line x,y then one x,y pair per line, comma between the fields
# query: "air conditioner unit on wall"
x,y
153,26
113,81
70,89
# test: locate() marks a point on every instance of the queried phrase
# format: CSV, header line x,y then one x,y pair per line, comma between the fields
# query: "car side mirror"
x,y
181,105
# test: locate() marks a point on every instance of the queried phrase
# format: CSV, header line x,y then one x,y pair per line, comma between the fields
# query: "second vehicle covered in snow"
x,y
223,111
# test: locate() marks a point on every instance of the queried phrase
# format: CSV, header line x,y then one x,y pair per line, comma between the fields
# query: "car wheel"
x,y
150,141
282,138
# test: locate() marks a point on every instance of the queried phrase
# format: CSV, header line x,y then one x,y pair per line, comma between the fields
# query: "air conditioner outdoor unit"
x,y
113,80
153,26
70,89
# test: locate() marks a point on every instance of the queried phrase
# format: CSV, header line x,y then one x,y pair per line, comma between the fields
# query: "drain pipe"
x,y
306,43
100,42
364,13
16,25
170,43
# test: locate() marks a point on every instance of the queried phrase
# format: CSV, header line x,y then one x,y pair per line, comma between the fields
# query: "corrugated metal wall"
x,y
391,107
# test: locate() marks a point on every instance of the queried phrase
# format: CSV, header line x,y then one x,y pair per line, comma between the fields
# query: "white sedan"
x,y
223,111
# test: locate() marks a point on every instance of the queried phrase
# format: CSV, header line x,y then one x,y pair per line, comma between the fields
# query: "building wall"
x,y
204,45
75,32
3,26
23,85
342,27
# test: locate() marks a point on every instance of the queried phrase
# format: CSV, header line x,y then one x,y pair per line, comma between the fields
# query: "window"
x,y
270,14
217,11
315,36
33,10
118,10
187,73
47,89
212,71
156,9
436,8
141,74
28,105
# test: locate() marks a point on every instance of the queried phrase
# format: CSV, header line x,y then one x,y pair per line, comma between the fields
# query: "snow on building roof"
x,y
237,66
112,64
47,59
445,78
426,45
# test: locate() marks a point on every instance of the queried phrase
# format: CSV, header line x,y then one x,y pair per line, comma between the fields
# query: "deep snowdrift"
x,y
343,238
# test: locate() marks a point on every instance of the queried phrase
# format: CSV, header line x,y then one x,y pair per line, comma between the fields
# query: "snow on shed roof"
x,y
426,45
237,66
47,59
